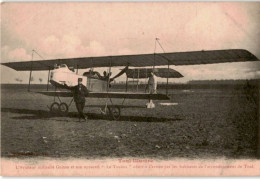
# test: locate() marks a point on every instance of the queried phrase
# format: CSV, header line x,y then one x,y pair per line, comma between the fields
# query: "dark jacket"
x,y
79,93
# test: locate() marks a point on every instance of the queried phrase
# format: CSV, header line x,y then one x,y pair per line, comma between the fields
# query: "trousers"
x,y
80,106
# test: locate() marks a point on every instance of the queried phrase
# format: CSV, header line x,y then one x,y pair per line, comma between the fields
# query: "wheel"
x,y
54,109
63,109
114,112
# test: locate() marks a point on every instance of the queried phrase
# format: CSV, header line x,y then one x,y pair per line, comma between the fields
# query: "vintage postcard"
x,y
130,89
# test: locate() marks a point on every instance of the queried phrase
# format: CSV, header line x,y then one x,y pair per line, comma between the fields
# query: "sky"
x,y
66,30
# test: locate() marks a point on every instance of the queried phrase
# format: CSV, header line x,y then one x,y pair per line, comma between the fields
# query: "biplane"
x,y
61,72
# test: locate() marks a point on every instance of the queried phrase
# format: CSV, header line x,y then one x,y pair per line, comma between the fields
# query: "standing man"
x,y
152,88
79,94
152,84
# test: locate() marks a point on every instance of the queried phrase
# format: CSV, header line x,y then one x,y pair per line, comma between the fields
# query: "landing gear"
x,y
105,111
111,111
63,109
55,107
59,109
114,112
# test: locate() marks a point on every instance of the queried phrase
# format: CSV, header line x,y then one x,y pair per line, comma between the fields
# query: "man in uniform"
x,y
79,93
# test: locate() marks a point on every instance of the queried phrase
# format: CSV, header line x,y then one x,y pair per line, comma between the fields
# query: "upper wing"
x,y
125,95
141,60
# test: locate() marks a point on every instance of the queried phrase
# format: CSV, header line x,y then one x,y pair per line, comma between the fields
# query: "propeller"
x,y
119,74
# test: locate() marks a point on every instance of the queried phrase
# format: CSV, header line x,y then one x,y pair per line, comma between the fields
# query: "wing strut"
x,y
126,83
29,86
134,81
146,80
153,61
109,74
137,79
48,80
167,78
30,80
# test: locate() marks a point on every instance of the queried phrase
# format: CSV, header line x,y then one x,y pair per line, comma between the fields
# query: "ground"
x,y
206,123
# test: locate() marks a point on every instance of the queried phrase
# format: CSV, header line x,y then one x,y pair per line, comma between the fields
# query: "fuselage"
x,y
62,77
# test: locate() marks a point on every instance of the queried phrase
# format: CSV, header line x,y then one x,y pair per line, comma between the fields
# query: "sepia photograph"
x,y
130,89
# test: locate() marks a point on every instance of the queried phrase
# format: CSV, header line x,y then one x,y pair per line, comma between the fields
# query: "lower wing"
x,y
125,95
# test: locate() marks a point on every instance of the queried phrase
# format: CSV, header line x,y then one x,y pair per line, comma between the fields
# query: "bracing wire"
x,y
37,53
154,45
155,42
160,44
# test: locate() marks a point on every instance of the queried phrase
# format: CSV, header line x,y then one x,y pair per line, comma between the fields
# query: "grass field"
x,y
206,123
